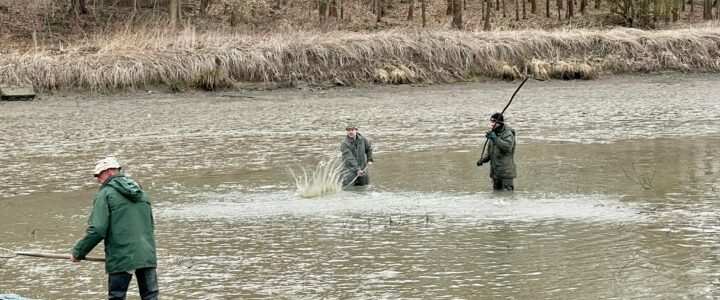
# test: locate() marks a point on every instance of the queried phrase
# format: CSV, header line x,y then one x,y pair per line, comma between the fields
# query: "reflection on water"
x,y
230,224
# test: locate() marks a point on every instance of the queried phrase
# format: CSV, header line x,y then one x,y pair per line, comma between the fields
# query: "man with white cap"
x,y
122,218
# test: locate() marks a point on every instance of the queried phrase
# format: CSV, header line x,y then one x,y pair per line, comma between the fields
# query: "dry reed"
x,y
213,60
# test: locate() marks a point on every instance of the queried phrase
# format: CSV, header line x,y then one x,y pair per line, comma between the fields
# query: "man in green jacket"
x,y
122,218
500,152
357,157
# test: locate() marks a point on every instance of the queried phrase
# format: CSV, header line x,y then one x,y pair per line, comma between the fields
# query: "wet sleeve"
x,y
349,160
505,143
368,151
96,231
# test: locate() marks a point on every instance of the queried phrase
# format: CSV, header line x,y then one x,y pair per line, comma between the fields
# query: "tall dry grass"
x,y
210,60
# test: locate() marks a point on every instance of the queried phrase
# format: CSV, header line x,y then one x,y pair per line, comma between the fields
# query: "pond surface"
x,y
616,196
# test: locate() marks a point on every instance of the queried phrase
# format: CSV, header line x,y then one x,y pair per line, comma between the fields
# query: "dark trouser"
x,y
147,283
503,184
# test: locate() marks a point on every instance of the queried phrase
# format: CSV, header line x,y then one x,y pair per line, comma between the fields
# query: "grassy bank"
x,y
187,59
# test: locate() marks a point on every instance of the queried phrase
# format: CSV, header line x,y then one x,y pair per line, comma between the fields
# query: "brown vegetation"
x,y
215,44
218,60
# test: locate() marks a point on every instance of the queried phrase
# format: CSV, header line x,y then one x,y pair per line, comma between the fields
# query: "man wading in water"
x,y
500,152
357,157
122,218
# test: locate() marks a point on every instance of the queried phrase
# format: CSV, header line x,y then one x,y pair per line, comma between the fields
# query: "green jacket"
x,y
122,218
501,153
355,154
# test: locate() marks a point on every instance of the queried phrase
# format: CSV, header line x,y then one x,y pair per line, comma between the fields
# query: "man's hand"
x,y
73,259
360,173
491,135
481,161
370,163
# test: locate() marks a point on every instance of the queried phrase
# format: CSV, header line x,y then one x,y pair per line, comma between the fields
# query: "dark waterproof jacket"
x,y
355,155
501,153
122,218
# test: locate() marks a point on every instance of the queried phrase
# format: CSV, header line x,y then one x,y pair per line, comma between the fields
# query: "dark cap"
x,y
497,117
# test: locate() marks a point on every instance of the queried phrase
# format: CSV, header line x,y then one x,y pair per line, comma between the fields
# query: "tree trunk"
x,y
504,9
707,9
333,9
597,4
497,5
583,3
78,7
524,9
380,10
547,9
449,7
570,8
175,13
423,8
411,10
322,10
457,22
560,4
517,10
533,7
692,7
487,26
204,5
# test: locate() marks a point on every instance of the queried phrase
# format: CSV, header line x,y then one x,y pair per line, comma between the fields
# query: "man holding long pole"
x,y
122,218
500,153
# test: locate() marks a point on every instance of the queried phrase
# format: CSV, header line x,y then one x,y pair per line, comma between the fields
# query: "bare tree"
x,y
322,10
707,9
205,5
533,7
487,26
547,9
449,7
333,9
423,8
380,10
78,7
411,10
570,8
175,13
524,9
517,10
457,22
583,4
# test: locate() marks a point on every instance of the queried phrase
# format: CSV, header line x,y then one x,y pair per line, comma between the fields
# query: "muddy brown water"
x,y
617,191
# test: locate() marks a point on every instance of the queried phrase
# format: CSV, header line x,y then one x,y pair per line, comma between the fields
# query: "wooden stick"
x,y
61,256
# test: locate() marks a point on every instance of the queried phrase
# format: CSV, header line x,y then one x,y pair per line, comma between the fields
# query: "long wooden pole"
x,y
61,256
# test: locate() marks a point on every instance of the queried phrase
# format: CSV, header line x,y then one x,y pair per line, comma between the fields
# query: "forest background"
x,y
105,45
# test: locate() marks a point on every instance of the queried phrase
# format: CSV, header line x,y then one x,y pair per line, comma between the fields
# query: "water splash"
x,y
325,179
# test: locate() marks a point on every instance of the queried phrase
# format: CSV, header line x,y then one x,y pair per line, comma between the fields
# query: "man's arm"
x,y
505,144
348,159
98,224
368,151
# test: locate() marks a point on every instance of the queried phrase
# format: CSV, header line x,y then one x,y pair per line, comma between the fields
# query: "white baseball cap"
x,y
110,162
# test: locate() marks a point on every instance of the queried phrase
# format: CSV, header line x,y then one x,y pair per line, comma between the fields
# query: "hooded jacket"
x,y
122,218
501,154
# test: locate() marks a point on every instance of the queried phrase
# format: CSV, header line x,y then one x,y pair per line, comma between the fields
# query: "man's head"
x,y
351,131
497,121
105,168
